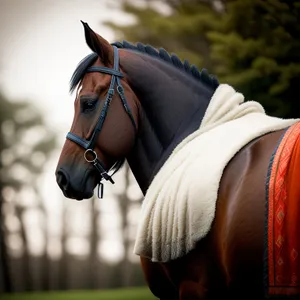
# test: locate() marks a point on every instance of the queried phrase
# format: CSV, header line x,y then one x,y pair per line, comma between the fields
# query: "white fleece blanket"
x,y
179,206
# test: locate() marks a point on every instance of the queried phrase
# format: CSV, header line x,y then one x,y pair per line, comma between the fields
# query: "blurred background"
x,y
48,242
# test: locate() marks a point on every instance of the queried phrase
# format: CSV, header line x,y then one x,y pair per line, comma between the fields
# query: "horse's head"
x,y
104,124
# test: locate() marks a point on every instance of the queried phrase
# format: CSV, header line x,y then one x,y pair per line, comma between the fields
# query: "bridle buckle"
x,y
90,151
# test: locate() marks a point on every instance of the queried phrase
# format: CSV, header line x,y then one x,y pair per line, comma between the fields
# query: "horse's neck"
x,y
172,107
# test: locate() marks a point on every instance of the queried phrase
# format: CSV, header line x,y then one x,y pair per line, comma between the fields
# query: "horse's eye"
x,y
88,105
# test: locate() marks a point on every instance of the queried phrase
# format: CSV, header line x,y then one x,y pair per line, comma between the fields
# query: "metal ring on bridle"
x,y
93,153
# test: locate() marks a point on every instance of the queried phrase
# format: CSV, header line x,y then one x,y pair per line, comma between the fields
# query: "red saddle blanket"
x,y
282,252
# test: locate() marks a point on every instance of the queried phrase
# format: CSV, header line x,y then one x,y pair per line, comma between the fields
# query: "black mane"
x,y
173,59
192,70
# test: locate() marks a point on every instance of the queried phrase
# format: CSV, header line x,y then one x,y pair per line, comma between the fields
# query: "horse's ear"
x,y
98,44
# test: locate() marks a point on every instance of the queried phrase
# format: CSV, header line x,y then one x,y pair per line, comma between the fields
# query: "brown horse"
x,y
150,101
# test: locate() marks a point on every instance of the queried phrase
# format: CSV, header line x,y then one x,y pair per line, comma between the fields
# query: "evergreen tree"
x,y
257,50
253,45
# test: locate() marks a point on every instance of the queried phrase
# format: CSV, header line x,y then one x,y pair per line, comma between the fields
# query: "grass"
x,y
117,294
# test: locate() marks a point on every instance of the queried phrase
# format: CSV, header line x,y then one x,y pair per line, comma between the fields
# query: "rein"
x,y
89,145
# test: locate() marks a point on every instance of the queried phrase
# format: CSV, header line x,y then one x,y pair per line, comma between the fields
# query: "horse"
x,y
138,103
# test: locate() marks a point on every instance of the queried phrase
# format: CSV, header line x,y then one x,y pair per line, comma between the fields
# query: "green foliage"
x,y
118,294
257,50
253,45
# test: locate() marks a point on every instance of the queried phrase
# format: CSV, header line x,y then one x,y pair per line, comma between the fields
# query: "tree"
x,y
124,204
25,144
64,258
257,49
251,44
94,238
127,203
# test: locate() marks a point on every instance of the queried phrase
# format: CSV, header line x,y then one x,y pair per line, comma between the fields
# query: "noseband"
x,y
90,155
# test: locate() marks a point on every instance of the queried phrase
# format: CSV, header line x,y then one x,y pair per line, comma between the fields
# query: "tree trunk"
x,y
45,265
63,265
94,237
4,257
124,203
27,276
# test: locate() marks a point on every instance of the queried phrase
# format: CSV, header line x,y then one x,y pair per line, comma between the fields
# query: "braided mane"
x,y
203,75
192,70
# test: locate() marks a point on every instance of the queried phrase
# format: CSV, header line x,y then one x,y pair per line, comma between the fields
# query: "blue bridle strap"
x,y
89,145
104,70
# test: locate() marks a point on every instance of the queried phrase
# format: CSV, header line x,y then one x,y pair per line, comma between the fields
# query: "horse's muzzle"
x,y
76,186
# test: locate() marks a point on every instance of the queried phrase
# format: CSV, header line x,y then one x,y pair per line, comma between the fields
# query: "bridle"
x,y
89,145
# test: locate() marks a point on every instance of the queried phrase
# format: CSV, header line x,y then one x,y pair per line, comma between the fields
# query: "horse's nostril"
x,y
62,179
